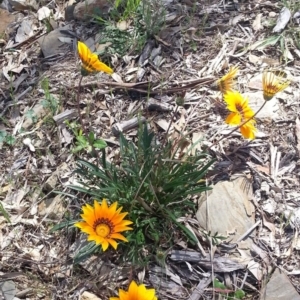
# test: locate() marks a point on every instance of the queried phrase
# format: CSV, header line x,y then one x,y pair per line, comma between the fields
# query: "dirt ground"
x,y
194,45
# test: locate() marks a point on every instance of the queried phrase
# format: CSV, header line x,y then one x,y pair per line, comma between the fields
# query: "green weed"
x,y
219,286
87,143
49,102
4,213
287,40
147,18
6,138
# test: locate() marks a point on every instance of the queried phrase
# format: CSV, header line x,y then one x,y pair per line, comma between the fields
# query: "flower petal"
x,y
90,61
233,119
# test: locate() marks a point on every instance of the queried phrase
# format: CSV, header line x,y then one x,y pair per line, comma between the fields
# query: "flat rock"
x,y
280,288
271,110
229,210
55,42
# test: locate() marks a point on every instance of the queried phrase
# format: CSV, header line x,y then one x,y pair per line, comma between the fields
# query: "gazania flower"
x,y
226,83
273,84
240,112
136,292
103,224
90,61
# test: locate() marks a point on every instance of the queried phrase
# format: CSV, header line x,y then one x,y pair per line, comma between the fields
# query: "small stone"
x,y
89,296
51,183
272,14
269,206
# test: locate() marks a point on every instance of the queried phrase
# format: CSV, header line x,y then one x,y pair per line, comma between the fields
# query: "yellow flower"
x,y
226,83
136,292
273,84
103,224
240,112
90,61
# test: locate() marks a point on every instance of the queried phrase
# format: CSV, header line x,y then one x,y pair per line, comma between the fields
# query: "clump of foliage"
x,y
154,184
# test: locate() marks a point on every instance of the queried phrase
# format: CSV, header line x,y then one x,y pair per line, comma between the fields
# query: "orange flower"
x,y
273,84
226,83
240,112
103,224
136,292
90,61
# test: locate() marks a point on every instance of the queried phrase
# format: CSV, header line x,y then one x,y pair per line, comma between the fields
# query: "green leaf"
x,y
85,252
91,137
10,140
261,45
4,213
3,134
239,294
82,140
99,144
63,225
218,284
140,239
78,148
182,227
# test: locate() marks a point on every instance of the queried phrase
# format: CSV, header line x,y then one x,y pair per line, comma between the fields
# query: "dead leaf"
x,y
257,23
283,19
163,124
255,268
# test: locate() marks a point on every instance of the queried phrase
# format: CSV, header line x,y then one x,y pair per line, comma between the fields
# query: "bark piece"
x,y
156,105
66,115
127,125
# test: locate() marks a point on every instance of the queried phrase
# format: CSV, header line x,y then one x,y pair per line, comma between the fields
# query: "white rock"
x,y
269,206
43,13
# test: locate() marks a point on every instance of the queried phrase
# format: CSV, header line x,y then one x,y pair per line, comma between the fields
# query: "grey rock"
x,y
280,288
87,9
8,289
269,111
55,41
229,211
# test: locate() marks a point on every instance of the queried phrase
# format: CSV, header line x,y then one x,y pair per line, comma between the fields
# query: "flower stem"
x,y
236,128
78,107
